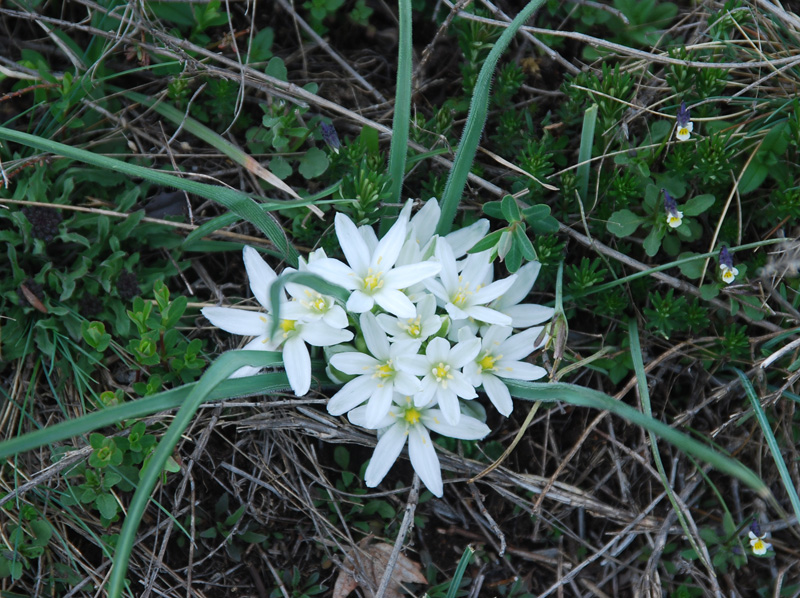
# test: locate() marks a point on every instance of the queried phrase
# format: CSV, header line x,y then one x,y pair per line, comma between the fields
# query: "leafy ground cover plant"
x,y
643,151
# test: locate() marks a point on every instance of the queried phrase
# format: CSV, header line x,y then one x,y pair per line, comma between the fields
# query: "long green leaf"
x,y
216,374
586,397
476,120
163,401
236,201
398,150
308,279
772,443
585,151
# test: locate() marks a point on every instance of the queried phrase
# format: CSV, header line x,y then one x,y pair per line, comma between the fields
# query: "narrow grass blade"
x,y
586,397
398,150
163,401
644,395
476,120
237,202
772,443
213,139
466,557
585,151
216,374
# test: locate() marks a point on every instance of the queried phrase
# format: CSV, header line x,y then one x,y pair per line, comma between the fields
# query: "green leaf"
x,y
623,223
488,242
280,167
107,505
652,242
493,209
510,209
697,205
313,163
693,269
276,68
524,244
709,291
341,456
752,178
261,45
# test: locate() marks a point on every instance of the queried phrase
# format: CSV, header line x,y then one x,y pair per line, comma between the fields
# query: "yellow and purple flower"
x,y
760,547
685,124
674,216
727,271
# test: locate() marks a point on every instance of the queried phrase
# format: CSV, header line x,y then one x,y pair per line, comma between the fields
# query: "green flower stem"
x,y
476,120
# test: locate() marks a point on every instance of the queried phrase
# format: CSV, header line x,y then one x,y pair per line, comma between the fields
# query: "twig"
x,y
408,519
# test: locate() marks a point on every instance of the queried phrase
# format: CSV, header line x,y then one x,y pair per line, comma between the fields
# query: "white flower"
x,y
425,323
292,334
443,381
310,306
500,357
378,375
464,294
371,274
760,547
406,420
523,315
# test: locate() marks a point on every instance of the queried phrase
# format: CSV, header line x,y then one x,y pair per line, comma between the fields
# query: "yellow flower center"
x,y
683,131
758,545
384,370
413,327
674,221
412,415
488,361
442,374
373,281
728,276
287,326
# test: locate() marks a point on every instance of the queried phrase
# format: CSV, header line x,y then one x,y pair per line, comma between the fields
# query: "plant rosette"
x,y
429,329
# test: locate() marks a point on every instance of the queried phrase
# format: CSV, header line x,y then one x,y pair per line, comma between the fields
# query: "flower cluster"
x,y
430,328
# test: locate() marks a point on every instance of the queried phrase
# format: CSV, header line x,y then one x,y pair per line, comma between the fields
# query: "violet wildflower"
x,y
674,216
330,137
760,547
685,124
728,272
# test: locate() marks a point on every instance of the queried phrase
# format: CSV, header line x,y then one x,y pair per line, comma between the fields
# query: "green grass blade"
x,y
163,401
398,150
585,151
772,443
466,557
237,202
476,120
644,395
216,374
586,397
312,281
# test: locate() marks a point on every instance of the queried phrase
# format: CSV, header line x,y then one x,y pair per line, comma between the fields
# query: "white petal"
x,y
376,339
354,363
418,365
358,417
336,317
449,272
493,291
488,315
359,302
406,384
519,370
298,365
438,350
386,452
468,428
463,239
351,395
528,314
526,276
464,352
461,386
389,247
424,460
319,334
379,404
336,272
237,321
403,277
352,243
498,394
456,313
424,396
261,276
435,287
423,224
520,345
448,403
394,302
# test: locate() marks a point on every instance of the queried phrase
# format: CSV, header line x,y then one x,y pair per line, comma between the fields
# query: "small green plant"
x,y
230,527
298,585
27,541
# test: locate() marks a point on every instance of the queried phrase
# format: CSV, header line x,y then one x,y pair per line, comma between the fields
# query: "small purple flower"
x,y
757,543
729,274
330,137
674,216
685,124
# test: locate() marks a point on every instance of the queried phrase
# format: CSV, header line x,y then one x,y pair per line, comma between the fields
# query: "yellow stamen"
x,y
442,374
287,326
487,362
384,370
373,281
412,415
